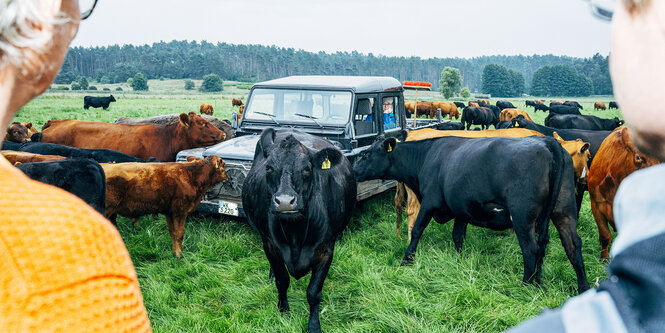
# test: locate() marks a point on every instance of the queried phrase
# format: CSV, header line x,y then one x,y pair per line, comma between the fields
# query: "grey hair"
x,y
26,28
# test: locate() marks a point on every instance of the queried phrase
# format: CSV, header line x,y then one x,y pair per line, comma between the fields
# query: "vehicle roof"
x,y
357,84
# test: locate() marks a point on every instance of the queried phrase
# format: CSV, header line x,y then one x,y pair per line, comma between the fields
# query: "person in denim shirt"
x,y
632,299
388,114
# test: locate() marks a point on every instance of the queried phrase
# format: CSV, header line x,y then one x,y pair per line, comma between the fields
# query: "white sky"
x,y
424,28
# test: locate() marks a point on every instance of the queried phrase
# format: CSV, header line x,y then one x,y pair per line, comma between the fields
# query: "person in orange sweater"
x,y
64,267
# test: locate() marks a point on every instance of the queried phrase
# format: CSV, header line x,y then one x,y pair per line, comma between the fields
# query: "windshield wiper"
x,y
310,117
272,116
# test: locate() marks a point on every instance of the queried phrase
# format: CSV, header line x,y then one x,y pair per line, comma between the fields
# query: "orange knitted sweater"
x,y
64,267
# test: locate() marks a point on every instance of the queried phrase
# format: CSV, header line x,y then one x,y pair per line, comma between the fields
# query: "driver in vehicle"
x,y
388,114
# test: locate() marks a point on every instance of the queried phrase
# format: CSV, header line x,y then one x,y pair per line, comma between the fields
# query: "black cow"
x,y
494,109
299,196
449,125
573,103
555,103
529,103
460,104
582,122
482,116
594,138
613,105
505,124
82,177
469,185
564,109
99,155
505,105
541,107
97,102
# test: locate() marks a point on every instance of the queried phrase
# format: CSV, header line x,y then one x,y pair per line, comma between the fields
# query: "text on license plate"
x,y
228,208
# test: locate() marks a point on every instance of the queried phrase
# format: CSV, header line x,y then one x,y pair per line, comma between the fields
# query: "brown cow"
x,y
579,151
206,109
509,114
172,189
162,142
241,109
20,132
539,102
616,158
224,125
236,102
22,157
486,101
474,104
410,107
558,101
599,106
447,108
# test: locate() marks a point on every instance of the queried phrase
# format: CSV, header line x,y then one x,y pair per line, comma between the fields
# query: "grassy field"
x,y
222,283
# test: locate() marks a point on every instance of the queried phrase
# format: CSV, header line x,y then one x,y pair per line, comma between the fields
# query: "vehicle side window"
x,y
363,119
390,114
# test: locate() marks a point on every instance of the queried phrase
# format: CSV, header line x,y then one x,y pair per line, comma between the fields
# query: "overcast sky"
x,y
424,28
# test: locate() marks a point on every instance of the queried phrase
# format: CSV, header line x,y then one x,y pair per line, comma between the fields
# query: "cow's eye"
x,y
307,171
268,169
638,158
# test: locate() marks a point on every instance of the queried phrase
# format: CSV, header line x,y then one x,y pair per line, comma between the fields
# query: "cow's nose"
x,y
285,203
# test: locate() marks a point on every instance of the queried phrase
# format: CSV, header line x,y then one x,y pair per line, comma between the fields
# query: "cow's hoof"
x,y
406,262
284,308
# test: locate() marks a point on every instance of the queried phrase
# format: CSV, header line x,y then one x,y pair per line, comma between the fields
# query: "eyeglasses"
x,y
90,5
384,104
602,9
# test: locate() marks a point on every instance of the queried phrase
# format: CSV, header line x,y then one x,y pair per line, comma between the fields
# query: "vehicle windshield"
x,y
314,107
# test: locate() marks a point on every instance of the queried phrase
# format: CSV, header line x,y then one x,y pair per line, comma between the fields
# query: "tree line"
x,y
253,63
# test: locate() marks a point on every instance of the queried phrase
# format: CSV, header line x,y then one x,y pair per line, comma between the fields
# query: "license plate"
x,y
228,208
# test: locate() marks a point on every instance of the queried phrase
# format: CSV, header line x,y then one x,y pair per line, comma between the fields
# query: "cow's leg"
x,y
176,225
282,278
424,217
604,234
579,195
399,203
459,232
412,209
526,237
319,273
572,244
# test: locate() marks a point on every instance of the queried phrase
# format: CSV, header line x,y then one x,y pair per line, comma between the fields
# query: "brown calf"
x,y
20,132
162,142
509,114
599,106
172,189
206,109
616,158
236,102
22,157
447,108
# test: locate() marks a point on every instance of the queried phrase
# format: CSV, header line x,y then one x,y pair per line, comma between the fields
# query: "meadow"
x,y
222,285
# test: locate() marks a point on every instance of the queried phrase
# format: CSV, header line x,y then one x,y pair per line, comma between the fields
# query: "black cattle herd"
x,y
301,190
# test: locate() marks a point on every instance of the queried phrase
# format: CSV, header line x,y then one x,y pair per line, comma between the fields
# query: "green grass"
x,y
222,283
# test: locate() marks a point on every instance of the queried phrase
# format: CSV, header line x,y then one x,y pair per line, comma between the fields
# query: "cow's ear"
x,y
327,158
584,147
389,144
265,142
184,119
28,125
557,137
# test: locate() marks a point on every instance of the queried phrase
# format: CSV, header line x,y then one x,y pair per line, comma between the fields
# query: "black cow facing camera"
x,y
97,102
470,186
299,196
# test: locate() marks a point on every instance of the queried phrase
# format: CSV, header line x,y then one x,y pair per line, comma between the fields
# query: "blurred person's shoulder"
x,y
62,260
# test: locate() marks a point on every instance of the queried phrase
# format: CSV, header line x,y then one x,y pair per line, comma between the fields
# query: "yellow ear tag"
x,y
390,148
326,164
517,124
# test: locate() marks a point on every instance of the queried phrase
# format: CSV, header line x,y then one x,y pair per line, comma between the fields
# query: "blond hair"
x,y
26,28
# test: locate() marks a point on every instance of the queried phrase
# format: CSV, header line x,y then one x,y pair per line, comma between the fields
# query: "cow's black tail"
x,y
556,179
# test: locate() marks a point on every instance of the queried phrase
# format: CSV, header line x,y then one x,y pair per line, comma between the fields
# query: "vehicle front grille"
x,y
232,188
